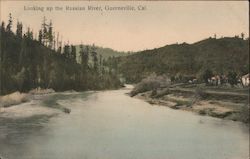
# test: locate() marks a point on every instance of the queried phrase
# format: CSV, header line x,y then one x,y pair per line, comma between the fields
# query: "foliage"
x,y
27,63
207,75
216,55
232,78
151,83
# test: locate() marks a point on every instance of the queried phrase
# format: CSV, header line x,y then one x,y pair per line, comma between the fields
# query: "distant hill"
x,y
218,55
105,52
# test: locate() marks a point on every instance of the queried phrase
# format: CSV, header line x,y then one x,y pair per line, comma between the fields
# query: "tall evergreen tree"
x,y
59,50
84,57
19,29
73,53
40,36
100,64
44,32
29,34
94,58
66,51
9,26
50,35
3,27
242,35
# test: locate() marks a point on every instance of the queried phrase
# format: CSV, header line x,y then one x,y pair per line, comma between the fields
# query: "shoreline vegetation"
x,y
225,103
21,105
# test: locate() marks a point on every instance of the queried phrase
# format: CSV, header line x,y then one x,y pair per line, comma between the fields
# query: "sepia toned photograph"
x,y
124,79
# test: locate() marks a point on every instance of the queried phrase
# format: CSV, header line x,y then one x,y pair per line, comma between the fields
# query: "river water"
x,y
112,125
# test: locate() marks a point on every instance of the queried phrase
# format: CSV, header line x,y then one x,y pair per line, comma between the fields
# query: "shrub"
x,y
232,78
207,75
151,83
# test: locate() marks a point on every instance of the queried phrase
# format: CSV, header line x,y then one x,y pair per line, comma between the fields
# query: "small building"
x,y
245,80
215,80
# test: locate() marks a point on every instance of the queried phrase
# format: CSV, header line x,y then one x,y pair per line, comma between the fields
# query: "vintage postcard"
x,y
124,79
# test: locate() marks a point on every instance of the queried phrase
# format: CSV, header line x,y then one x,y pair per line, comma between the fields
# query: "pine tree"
x,y
232,78
59,50
94,58
19,29
84,54
207,75
40,36
73,53
3,27
9,26
242,36
44,32
100,64
29,34
66,51
50,35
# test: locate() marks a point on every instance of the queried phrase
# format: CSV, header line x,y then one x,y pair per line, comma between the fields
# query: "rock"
x,y
219,114
13,99
66,110
202,112
174,107
151,102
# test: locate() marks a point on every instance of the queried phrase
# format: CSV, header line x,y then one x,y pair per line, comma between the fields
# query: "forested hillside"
x,y
27,63
218,56
103,53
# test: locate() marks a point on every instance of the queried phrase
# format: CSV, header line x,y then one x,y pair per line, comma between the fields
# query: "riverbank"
x,y
225,104
25,105
18,98
26,110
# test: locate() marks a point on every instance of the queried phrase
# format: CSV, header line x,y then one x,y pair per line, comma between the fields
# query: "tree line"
x,y
28,62
226,58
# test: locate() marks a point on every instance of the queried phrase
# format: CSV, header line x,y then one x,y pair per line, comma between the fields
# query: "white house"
x,y
245,80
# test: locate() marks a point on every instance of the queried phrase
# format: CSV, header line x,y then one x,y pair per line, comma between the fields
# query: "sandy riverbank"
x,y
26,110
25,105
236,111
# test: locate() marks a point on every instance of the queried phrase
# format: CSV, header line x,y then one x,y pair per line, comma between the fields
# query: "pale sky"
x,y
162,23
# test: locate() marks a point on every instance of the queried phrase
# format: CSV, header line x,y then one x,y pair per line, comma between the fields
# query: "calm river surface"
x,y
112,125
